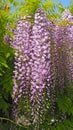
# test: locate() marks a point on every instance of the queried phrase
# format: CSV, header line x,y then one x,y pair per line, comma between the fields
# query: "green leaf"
x,y
64,104
4,106
3,62
60,126
48,4
8,55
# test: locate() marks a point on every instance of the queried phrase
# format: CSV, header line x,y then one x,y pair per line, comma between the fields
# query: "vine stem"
x,y
2,118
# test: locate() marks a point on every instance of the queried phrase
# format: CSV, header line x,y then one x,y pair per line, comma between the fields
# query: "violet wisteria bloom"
x,y
63,61
69,38
67,15
22,71
70,29
41,64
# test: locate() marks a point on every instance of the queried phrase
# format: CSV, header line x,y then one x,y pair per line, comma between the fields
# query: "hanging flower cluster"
x,y
42,62
68,36
67,15
22,57
63,63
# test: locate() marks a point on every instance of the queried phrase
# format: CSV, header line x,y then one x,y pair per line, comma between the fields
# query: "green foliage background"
x,y
64,103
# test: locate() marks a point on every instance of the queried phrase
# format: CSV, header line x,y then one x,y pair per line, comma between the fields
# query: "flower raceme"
x,y
42,62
